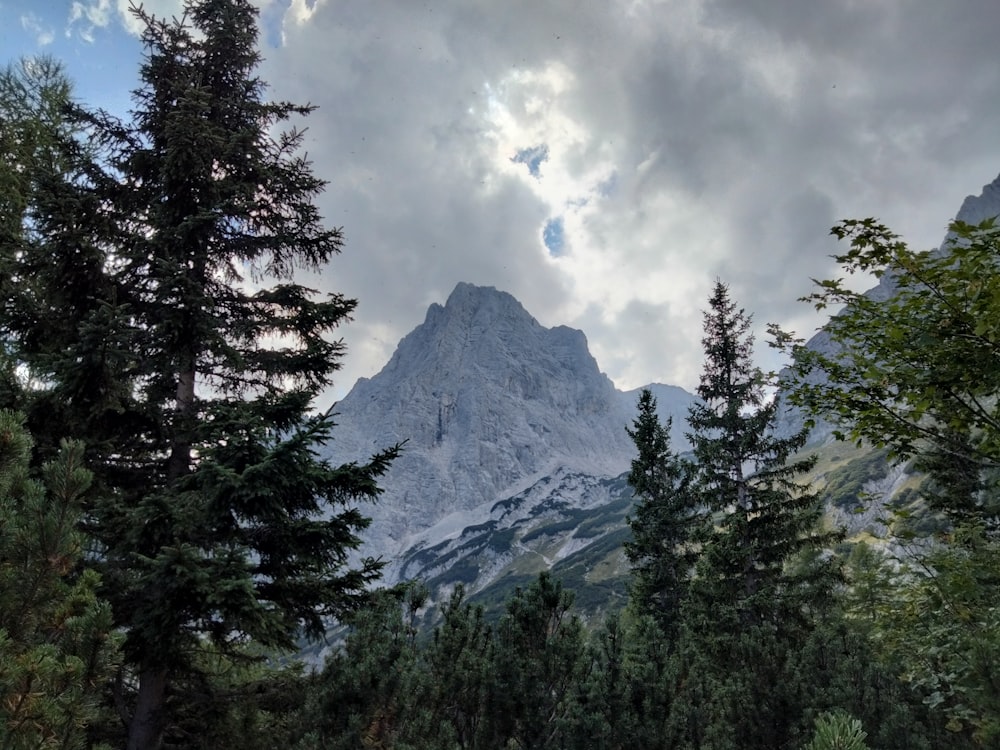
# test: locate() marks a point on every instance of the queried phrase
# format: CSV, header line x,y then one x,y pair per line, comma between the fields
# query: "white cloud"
x,y
300,11
158,8
683,140
44,35
85,18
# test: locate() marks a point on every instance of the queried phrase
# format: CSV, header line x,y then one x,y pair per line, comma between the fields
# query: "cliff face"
x,y
489,402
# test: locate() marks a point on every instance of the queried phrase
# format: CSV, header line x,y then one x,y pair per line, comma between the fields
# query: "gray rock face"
x,y
489,401
974,210
978,208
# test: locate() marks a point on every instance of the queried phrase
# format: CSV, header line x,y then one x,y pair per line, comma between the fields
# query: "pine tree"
x,y
538,662
451,695
57,649
663,526
172,337
364,697
763,517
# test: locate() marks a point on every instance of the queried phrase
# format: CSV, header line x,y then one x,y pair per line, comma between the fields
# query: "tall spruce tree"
x,y
192,361
38,178
61,324
763,516
756,587
661,552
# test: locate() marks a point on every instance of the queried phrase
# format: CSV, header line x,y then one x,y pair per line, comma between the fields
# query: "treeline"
x,y
750,623
168,535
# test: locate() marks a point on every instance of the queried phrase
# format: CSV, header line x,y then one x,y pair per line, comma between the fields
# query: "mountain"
x,y
516,451
507,423
974,210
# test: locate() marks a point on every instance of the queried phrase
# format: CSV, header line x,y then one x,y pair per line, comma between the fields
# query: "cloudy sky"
x,y
602,160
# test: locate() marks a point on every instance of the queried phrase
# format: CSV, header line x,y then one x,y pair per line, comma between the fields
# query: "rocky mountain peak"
x,y
489,401
978,208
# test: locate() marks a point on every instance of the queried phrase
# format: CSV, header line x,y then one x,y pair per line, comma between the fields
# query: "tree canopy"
x,y
665,521
154,309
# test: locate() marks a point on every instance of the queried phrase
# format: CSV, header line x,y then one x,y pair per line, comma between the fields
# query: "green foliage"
x,y
664,523
761,580
538,663
472,685
935,614
455,684
916,373
534,679
602,716
151,305
363,696
747,476
838,731
56,645
32,95
39,159
246,701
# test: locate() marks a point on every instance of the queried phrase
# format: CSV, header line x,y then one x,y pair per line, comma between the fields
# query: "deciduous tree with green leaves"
x,y
917,373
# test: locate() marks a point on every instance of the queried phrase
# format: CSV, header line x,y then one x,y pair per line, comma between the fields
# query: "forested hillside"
x,y
171,539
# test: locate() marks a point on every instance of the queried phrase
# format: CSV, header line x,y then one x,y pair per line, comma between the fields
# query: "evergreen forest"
x,y
170,539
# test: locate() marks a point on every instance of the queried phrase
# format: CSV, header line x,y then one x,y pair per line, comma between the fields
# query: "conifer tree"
x,y
538,662
56,645
451,693
172,338
365,696
38,179
763,517
759,580
663,525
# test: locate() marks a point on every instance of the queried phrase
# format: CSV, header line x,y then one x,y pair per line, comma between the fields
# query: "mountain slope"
x,y
517,450
490,403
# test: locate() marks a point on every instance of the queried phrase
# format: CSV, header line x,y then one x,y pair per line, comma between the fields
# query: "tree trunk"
x,y
179,462
145,731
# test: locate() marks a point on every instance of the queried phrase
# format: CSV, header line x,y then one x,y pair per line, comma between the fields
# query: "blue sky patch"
x,y
608,186
554,236
532,158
